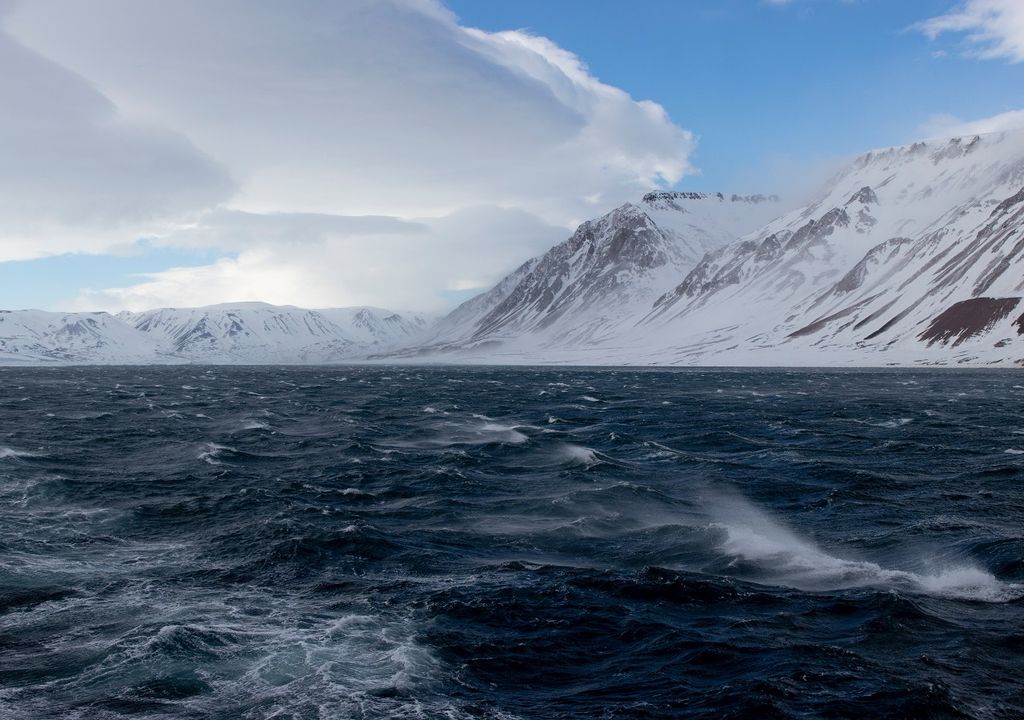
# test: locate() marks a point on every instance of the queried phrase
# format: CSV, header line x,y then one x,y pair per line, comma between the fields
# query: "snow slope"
x,y
586,290
38,337
865,274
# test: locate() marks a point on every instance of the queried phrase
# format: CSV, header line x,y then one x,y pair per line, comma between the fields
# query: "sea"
x,y
493,542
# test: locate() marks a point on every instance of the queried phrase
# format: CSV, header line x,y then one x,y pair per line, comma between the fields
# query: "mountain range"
x,y
909,255
236,333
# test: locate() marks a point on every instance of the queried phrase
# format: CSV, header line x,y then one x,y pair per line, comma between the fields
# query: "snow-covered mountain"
x,y
587,289
36,336
237,333
376,328
910,255
258,332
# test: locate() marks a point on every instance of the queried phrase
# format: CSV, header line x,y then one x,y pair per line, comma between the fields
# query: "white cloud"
x,y
945,126
993,28
298,113
324,261
75,174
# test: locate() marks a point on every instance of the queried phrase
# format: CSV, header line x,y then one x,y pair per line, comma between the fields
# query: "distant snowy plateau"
x,y
912,255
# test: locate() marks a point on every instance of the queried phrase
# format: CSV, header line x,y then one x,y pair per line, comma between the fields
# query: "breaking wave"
x,y
783,557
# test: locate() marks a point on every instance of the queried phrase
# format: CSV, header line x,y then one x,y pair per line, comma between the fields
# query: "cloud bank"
x,y
364,151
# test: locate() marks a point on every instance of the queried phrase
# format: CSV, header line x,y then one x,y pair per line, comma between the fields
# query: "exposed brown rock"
x,y
968,318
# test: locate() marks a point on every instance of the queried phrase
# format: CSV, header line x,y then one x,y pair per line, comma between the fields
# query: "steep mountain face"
x,y
911,254
583,291
460,322
37,337
240,333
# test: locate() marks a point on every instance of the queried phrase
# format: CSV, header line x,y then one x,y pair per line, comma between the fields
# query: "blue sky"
x,y
53,282
766,85
410,153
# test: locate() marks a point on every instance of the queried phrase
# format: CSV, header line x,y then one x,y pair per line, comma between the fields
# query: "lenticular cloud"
x,y
388,107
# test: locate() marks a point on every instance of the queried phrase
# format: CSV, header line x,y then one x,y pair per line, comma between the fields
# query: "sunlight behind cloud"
x,y
293,113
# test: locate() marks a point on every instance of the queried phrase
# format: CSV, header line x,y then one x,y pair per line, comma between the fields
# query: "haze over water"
x,y
510,543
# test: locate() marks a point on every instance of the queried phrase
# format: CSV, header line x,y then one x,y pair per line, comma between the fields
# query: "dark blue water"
x,y
510,543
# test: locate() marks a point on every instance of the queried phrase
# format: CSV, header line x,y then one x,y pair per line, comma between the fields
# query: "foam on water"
x,y
580,455
212,451
510,432
7,453
784,557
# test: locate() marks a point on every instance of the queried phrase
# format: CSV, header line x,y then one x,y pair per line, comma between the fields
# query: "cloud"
x,y
323,261
945,126
994,28
289,136
76,174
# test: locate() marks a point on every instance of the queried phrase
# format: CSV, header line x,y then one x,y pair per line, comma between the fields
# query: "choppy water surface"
x,y
510,543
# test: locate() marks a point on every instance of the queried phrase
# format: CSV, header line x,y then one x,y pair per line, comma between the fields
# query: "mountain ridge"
x,y
227,333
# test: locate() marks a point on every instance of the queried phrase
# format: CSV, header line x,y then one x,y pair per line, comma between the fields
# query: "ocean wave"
x,y
729,554
579,455
780,555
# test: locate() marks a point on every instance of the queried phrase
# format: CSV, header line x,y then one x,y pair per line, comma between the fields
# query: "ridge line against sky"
x,y
408,153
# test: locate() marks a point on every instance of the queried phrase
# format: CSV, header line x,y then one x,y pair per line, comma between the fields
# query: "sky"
x,y
409,153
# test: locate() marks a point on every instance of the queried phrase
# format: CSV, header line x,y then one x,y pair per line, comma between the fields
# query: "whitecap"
x,y
511,435
8,453
211,451
751,534
893,423
579,455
